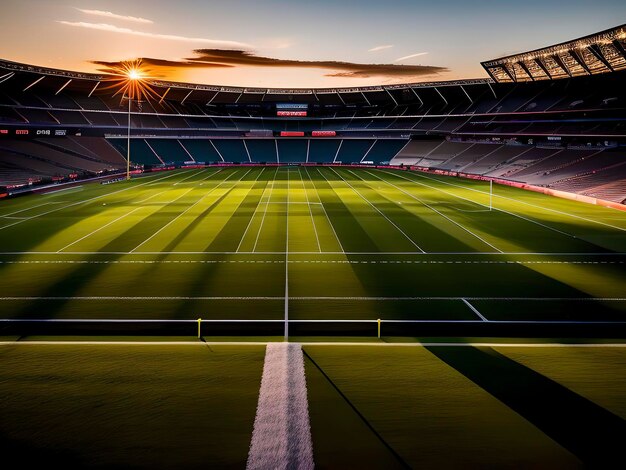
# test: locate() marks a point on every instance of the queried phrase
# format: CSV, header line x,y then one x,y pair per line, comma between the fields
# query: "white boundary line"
x,y
100,228
296,261
352,253
332,227
88,200
368,344
287,265
194,173
330,298
306,194
254,212
119,218
484,205
30,208
267,203
435,210
281,438
379,211
188,209
475,310
523,202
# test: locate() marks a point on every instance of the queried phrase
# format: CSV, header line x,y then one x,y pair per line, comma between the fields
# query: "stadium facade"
x,y
553,117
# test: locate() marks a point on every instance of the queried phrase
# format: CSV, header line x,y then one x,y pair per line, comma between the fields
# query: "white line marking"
x,y
100,228
379,211
484,205
473,309
281,438
320,343
186,210
306,194
253,213
87,200
298,261
31,208
526,203
194,173
258,234
352,253
324,209
442,215
287,266
330,298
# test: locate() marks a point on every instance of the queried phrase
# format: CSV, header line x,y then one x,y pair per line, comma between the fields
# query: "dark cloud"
x,y
342,69
221,58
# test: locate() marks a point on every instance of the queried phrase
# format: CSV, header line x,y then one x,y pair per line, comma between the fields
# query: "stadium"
x,y
408,275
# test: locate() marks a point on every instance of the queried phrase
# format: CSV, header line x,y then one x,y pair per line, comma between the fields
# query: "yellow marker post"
x,y
199,328
378,321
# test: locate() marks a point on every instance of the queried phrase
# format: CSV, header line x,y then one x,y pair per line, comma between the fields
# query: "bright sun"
x,y
134,74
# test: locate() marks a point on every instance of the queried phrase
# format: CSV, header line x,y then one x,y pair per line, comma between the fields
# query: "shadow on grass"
x,y
587,430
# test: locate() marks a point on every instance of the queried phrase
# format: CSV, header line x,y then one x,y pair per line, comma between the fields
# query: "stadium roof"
x,y
597,53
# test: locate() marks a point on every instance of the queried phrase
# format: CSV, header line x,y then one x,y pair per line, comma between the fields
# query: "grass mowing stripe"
x,y
194,174
306,194
186,210
484,205
527,203
324,209
357,412
253,213
30,208
100,228
85,201
435,210
258,234
544,402
379,211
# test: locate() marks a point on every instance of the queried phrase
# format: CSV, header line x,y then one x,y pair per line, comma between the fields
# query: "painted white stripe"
x,y
475,310
255,209
320,343
527,203
186,210
379,211
438,212
100,228
282,434
306,194
293,261
287,265
338,298
89,200
485,205
324,209
193,174
258,234
355,253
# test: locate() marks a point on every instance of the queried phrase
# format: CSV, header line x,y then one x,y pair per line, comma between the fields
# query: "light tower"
x,y
130,79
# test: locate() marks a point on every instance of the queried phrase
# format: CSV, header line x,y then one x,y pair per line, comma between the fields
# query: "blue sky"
x,y
453,35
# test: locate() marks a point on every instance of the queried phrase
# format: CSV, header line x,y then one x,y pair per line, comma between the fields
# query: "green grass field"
x,y
371,406
319,243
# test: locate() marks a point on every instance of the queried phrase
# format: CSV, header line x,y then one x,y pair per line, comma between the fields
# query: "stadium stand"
x,y
532,121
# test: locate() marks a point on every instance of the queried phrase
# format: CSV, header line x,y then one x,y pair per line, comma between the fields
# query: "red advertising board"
x,y
324,133
291,134
291,113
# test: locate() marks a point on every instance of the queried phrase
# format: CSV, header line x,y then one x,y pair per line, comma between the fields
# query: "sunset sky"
x,y
292,43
